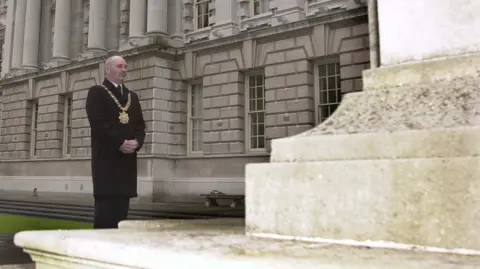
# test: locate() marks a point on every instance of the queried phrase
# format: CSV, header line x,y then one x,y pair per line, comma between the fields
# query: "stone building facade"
x,y
218,79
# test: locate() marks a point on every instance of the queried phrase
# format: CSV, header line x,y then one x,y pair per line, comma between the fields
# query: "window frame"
x,y
248,135
190,133
326,61
251,7
67,125
34,128
210,12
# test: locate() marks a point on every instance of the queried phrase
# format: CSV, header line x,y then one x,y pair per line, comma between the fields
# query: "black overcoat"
x,y
113,172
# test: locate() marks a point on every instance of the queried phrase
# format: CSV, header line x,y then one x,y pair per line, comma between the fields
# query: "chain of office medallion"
x,y
129,101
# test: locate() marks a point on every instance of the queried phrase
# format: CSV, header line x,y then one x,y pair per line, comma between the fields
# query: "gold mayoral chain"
x,y
123,115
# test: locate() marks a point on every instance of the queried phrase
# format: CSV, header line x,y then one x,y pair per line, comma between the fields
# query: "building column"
x,y
157,17
61,38
97,26
31,38
18,33
113,26
7,45
137,19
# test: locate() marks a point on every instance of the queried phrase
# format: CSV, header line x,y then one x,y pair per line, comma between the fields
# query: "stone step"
x,y
190,244
85,212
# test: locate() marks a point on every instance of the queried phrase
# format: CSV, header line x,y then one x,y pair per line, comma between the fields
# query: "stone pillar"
x,y
137,19
97,26
398,162
178,33
61,38
18,33
31,39
373,36
157,17
113,26
7,46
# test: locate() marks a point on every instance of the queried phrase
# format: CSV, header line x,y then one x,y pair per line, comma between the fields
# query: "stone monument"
x,y
391,180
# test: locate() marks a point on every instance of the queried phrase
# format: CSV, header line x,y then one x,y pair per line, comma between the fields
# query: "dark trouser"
x,y
110,210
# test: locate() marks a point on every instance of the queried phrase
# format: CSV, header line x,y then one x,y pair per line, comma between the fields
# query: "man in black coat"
x,y
117,133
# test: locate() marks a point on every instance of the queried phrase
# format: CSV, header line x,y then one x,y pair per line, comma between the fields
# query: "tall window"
x,y
258,7
328,89
204,9
67,126
1,115
195,118
34,128
256,112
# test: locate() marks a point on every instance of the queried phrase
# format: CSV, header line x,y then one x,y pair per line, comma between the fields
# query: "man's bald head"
x,y
116,69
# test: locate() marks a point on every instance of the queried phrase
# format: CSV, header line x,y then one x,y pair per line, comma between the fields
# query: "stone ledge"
x,y
185,246
431,72
455,142
404,108
172,223
419,202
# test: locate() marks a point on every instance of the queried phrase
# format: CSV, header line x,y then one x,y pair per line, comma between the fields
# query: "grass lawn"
x,y
15,223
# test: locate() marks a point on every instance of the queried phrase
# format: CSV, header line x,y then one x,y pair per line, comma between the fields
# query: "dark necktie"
x,y
120,90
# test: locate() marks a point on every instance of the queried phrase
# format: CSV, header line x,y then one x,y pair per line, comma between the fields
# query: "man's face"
x,y
117,70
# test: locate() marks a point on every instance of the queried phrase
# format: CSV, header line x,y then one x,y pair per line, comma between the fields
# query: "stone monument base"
x,y
397,164
211,244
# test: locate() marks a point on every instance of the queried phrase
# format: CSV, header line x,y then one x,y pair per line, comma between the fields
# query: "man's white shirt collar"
x,y
116,85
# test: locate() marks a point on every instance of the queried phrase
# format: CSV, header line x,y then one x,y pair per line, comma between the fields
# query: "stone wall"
x,y
15,139
223,101
287,57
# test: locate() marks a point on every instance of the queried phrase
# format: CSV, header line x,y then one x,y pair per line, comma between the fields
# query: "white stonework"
x,y
396,164
253,77
216,244
411,43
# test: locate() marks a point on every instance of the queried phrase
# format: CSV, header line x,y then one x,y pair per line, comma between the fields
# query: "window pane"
x,y
252,93
253,143
254,130
331,69
252,105
322,71
261,117
323,97
261,142
251,81
332,97
259,80
260,104
323,84
254,118
261,129
332,83
259,92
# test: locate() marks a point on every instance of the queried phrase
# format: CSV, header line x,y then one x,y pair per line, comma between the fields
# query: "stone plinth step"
x,y
200,244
